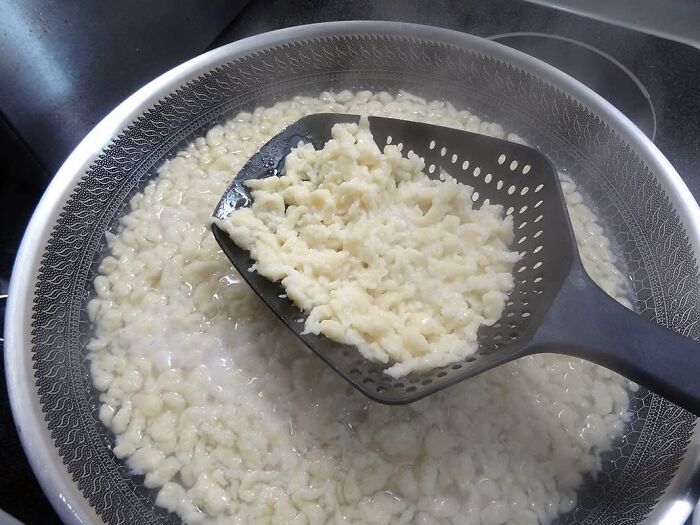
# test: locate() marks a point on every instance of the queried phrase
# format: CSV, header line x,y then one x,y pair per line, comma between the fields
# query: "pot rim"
x,y
72,507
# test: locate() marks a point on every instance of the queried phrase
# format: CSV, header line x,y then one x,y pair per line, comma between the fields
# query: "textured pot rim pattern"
x,y
54,478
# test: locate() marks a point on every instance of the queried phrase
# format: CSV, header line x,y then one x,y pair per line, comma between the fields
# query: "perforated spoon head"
x,y
518,177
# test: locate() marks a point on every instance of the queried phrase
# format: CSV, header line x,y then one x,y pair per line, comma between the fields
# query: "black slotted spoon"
x,y
555,307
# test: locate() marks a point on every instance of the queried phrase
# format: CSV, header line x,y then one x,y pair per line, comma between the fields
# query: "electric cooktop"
x,y
653,80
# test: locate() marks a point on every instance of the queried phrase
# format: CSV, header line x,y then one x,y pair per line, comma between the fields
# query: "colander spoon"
x,y
555,307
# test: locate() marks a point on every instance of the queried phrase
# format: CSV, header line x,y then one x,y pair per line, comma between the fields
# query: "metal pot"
x,y
649,214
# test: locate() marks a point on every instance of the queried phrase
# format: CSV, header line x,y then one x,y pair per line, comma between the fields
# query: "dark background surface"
x,y
65,65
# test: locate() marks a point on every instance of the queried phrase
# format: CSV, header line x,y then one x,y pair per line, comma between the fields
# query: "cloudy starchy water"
x,y
234,421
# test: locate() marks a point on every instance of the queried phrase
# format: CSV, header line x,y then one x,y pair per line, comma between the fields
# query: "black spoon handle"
x,y
583,321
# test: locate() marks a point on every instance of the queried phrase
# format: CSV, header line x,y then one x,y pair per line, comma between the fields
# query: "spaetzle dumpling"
x,y
380,256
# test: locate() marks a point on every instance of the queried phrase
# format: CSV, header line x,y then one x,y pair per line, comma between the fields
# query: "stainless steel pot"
x,y
648,212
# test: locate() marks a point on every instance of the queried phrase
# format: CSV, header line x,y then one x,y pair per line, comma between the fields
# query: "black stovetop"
x,y
655,81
